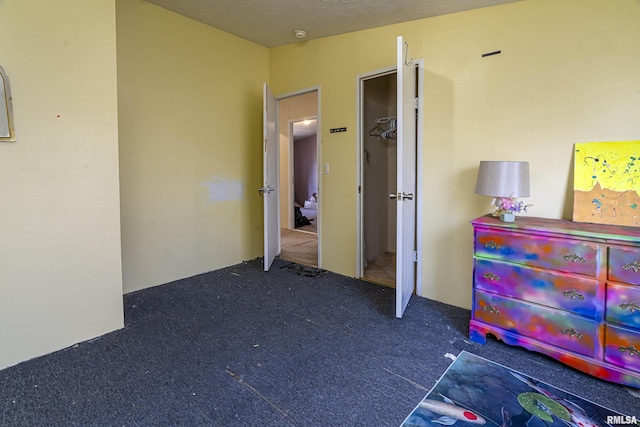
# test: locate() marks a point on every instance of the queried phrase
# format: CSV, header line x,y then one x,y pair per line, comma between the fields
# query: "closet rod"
x,y
385,119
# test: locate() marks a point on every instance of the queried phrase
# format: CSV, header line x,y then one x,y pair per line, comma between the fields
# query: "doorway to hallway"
x,y
299,178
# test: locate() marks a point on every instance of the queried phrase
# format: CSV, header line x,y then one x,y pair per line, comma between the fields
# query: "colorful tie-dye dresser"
x,y
566,289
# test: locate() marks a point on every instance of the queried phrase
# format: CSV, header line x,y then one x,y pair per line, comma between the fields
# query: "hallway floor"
x,y
299,246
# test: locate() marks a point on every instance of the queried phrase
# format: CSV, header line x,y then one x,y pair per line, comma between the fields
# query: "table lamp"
x,y
504,181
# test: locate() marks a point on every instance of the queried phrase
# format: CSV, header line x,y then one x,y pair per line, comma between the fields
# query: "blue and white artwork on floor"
x,y
476,391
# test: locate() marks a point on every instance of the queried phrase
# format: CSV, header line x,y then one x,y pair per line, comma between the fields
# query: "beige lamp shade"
x,y
503,179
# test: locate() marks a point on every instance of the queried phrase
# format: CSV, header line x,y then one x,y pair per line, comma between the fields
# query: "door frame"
x,y
320,202
419,168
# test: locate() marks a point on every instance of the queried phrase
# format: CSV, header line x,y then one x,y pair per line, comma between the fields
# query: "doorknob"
x,y
265,189
401,196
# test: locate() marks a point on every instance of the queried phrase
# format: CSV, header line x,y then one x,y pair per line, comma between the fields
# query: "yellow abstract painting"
x,y
607,183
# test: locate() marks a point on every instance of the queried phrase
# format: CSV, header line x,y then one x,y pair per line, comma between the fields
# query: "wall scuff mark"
x,y
223,190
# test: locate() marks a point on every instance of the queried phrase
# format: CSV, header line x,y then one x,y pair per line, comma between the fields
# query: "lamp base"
x,y
507,217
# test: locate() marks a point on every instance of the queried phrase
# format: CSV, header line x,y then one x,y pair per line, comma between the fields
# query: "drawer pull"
x,y
631,349
635,266
492,245
492,277
491,309
572,333
574,258
573,294
632,306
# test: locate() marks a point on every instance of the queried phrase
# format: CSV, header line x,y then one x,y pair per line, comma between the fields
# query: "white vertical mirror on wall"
x,y
7,131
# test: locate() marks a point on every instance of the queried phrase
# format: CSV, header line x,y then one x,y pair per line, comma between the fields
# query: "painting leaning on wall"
x,y
607,183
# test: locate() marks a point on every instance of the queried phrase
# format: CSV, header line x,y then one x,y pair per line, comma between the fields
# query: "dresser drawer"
x,y
554,289
622,347
572,256
550,326
624,265
623,305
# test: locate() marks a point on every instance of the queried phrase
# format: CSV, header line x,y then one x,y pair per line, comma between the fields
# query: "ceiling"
x,y
272,23
303,129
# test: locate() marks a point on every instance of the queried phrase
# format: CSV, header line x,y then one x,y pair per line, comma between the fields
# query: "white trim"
x,y
359,177
291,177
277,185
298,92
419,176
320,202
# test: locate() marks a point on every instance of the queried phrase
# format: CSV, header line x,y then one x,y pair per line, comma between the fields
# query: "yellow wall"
x,y
569,72
190,114
60,268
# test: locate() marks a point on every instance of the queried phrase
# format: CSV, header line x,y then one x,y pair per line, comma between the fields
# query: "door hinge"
x,y
359,189
416,105
415,256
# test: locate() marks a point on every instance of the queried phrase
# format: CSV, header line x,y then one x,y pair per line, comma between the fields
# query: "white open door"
x,y
406,197
269,190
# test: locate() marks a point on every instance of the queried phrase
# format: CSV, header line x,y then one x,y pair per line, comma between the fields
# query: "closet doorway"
x,y
299,178
389,217
379,171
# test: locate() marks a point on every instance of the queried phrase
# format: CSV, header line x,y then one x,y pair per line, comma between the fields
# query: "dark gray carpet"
x,y
240,347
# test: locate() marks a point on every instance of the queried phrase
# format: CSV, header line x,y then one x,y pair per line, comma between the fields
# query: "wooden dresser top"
x,y
547,226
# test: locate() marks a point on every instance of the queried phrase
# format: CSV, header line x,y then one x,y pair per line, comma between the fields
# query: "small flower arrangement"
x,y
508,205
